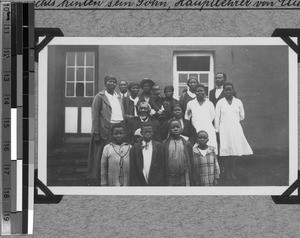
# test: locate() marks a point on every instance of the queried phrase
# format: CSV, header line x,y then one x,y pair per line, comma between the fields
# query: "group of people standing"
x,y
145,139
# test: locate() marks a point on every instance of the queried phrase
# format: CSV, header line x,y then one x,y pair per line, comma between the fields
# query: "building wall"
x,y
259,73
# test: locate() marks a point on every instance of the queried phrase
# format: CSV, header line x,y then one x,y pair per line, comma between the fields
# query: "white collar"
x,y
192,95
135,99
109,95
197,150
114,144
144,143
145,120
219,88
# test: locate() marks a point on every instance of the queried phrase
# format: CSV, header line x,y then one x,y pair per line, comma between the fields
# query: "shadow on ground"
x,y
263,168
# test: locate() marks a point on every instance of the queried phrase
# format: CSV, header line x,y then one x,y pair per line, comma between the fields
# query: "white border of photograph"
x,y
209,41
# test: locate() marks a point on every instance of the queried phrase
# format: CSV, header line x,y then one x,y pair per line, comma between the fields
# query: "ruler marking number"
x,y
6,7
6,100
6,124
6,77
6,194
6,53
6,217
6,29
6,147
6,170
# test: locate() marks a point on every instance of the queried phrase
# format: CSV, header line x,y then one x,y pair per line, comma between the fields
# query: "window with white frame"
x,y
198,64
80,74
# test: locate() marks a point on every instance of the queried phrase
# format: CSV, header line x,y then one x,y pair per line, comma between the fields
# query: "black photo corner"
x,y
48,197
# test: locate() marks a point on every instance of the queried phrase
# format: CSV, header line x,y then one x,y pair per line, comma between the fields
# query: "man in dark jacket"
x,y
217,93
133,124
147,160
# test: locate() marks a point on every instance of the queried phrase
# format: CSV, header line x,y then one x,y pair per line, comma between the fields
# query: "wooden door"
x,y
80,84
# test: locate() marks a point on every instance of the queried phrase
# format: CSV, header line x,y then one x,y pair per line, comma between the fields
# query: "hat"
x,y
146,80
177,104
190,78
133,84
108,77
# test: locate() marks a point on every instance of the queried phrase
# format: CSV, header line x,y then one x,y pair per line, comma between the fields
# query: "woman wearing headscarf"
x,y
130,102
107,110
146,86
189,94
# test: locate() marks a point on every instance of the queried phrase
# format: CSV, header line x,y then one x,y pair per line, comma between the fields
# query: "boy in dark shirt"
x,y
168,102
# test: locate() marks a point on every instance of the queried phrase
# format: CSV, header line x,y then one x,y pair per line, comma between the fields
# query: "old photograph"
x,y
167,116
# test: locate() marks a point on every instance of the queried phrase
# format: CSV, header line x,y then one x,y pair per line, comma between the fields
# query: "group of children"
x,y
174,162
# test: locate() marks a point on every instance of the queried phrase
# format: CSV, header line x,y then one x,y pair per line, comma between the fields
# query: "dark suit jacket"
x,y
135,123
212,96
157,172
128,106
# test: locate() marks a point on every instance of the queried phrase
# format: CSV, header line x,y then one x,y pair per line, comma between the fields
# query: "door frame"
x,y
61,52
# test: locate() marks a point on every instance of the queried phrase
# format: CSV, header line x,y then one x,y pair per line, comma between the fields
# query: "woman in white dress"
x,y
201,112
233,143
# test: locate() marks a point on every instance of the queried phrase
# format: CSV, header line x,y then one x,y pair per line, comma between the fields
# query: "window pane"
x,y
70,89
70,74
89,89
203,78
86,120
206,90
79,89
193,63
80,58
90,58
71,119
70,58
90,74
183,78
80,74
194,76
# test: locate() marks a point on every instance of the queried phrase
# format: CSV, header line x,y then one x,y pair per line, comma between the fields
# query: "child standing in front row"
x,y
178,153
205,169
147,164
115,161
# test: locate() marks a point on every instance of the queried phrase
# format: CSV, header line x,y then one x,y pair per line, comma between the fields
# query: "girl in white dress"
x,y
201,112
233,143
